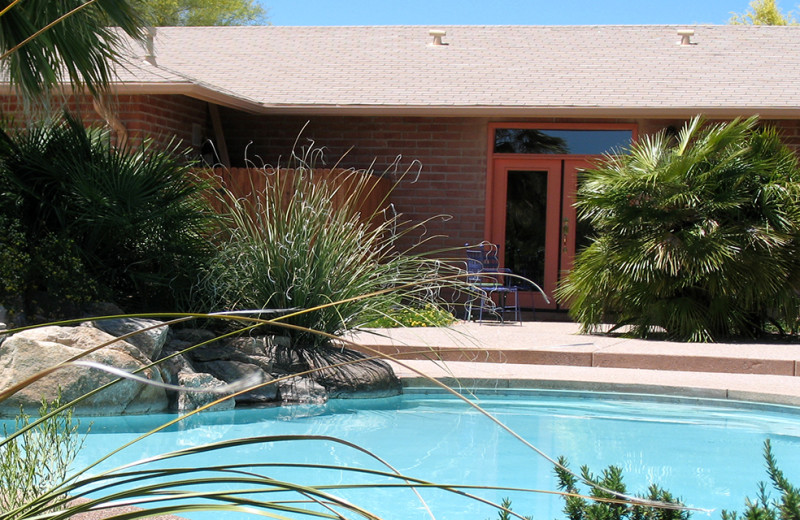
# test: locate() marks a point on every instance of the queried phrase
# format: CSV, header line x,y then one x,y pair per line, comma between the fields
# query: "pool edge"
x,y
778,390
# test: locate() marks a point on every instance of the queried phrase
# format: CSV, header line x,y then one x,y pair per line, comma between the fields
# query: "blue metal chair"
x,y
486,277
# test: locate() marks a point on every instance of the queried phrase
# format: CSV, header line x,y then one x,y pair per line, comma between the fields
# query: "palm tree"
x,y
696,235
44,44
99,221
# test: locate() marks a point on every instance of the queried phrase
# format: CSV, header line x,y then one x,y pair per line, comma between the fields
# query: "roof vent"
x,y
437,36
686,36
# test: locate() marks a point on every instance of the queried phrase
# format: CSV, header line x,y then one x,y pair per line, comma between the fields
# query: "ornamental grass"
x,y
298,240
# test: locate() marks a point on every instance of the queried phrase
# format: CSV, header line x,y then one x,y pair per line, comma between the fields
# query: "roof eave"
x,y
224,99
189,89
533,111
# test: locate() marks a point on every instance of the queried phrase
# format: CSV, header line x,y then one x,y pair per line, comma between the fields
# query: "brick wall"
x,y
790,133
157,117
162,117
15,110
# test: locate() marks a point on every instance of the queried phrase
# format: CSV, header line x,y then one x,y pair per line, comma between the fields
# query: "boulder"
x,y
256,350
29,352
287,360
333,372
98,309
233,371
348,373
210,348
263,362
301,390
251,346
194,336
188,401
149,337
172,362
212,352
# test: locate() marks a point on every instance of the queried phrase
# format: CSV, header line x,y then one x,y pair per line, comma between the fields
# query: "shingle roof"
x,y
484,69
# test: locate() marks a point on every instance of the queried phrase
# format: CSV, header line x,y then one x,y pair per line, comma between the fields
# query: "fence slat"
x,y
240,182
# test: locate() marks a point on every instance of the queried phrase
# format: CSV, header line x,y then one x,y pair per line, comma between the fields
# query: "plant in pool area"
x,y
51,267
14,258
604,503
97,221
787,507
697,235
299,241
38,460
506,511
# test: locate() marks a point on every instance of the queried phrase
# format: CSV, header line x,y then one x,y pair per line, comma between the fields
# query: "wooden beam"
x,y
219,136
112,120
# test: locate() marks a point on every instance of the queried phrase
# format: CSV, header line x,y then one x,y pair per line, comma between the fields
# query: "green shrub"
x,y
607,499
695,236
298,244
96,221
45,278
506,512
37,461
15,258
607,488
430,315
787,507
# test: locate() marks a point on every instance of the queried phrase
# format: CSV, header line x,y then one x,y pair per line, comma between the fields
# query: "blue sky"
x,y
505,12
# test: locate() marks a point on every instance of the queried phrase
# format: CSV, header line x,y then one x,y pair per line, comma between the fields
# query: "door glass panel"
x,y
526,216
546,141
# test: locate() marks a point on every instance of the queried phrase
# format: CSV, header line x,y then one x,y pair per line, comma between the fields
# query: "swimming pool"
x,y
706,452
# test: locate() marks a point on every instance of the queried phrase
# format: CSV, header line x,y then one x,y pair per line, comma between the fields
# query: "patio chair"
x,y
486,277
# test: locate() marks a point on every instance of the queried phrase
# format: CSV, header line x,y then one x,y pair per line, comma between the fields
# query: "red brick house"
x,y
501,119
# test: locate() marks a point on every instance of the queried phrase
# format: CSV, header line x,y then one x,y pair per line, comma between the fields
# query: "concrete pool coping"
x,y
554,356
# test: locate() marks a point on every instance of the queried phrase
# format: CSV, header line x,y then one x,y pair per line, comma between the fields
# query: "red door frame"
x,y
569,218
562,185
497,231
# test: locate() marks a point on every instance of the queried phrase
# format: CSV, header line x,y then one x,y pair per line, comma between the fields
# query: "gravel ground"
x,y
106,513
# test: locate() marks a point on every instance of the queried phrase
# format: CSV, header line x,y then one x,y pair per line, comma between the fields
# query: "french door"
x,y
532,218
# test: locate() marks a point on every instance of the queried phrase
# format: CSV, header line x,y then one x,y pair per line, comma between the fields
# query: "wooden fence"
x,y
251,182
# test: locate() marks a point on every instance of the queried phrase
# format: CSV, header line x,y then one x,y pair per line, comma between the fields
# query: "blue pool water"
x,y
708,453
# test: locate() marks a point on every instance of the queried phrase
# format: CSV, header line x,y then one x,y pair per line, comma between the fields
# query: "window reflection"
x,y
546,141
526,231
518,140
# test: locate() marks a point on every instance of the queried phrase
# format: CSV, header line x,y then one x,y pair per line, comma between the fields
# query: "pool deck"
x,y
554,356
